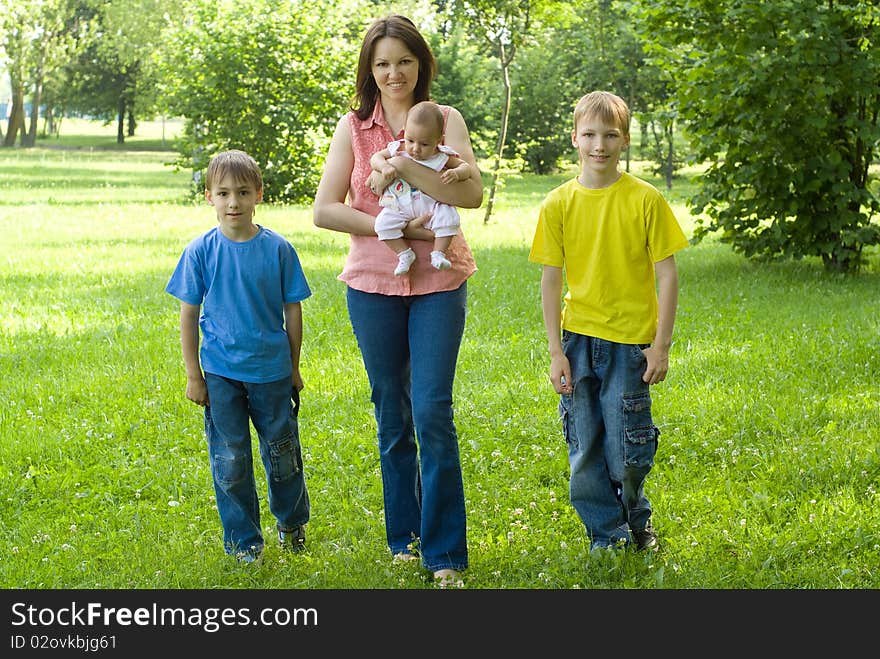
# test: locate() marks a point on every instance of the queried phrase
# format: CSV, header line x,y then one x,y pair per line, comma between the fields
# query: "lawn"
x,y
767,474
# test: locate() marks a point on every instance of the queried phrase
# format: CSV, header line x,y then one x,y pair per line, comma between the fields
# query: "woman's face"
x,y
395,68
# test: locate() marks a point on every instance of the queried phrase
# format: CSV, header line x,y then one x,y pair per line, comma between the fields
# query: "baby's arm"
x,y
379,163
456,170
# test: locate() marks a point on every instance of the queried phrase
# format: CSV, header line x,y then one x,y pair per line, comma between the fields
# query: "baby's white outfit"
x,y
401,202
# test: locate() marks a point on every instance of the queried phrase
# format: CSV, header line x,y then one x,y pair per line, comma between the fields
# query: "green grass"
x,y
767,475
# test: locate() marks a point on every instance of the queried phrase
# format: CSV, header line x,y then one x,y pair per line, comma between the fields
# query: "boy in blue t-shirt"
x,y
611,238
242,285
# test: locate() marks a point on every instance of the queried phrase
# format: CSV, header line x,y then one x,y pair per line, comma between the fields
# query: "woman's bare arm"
x,y
330,210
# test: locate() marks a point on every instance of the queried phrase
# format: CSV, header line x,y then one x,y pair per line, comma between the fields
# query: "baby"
x,y
422,137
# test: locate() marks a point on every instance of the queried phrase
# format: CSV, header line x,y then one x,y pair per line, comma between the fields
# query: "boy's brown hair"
x,y
239,165
608,107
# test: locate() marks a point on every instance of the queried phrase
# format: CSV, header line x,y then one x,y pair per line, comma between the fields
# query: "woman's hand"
x,y
415,228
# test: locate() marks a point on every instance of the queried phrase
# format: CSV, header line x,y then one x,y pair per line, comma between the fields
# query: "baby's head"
x,y
423,130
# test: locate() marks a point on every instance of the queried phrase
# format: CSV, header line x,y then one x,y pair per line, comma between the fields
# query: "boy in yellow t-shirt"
x,y
615,237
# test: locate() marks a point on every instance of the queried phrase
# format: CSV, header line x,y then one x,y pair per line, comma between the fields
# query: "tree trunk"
x,y
670,154
120,120
31,139
132,124
502,135
16,118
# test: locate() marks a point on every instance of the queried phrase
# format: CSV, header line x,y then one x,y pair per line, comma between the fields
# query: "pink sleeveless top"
x,y
370,263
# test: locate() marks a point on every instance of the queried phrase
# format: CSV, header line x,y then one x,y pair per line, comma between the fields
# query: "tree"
x,y
271,79
466,80
37,36
783,100
112,77
589,44
503,25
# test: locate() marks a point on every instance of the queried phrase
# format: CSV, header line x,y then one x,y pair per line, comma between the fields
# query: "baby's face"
x,y
420,140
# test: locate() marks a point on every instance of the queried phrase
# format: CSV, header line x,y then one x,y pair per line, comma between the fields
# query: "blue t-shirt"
x,y
242,289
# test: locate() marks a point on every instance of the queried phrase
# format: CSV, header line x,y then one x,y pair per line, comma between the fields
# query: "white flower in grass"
x,y
173,503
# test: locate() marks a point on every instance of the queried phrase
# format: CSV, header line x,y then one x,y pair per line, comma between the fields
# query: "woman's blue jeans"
x,y
273,409
611,437
410,347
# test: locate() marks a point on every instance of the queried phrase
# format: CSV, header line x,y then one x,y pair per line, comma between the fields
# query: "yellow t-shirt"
x,y
607,241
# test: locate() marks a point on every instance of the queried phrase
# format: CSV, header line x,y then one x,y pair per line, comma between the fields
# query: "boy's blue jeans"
x,y
410,347
273,409
611,437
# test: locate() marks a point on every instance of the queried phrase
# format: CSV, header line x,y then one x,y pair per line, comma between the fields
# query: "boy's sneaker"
x,y
294,540
248,556
646,539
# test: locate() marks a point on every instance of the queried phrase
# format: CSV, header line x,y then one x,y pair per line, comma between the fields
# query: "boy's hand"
x,y
560,375
658,365
297,380
449,176
197,391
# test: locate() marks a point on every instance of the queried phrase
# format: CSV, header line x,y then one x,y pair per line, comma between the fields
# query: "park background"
x,y
763,135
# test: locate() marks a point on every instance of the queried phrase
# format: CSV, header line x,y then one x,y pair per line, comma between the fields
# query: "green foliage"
x,y
269,79
543,99
782,98
468,81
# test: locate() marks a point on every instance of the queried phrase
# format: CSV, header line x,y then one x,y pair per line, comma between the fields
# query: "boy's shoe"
x,y
247,557
404,260
439,260
646,539
294,540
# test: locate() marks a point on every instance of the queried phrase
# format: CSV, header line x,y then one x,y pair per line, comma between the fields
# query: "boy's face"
x,y
420,141
234,202
598,145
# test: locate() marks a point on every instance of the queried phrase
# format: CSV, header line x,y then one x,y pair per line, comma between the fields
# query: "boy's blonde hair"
x,y
242,167
608,107
427,113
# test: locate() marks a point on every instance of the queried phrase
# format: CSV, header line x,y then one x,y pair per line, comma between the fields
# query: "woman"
x,y
408,328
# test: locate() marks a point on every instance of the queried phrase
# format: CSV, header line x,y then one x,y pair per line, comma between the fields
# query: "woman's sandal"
x,y
448,579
